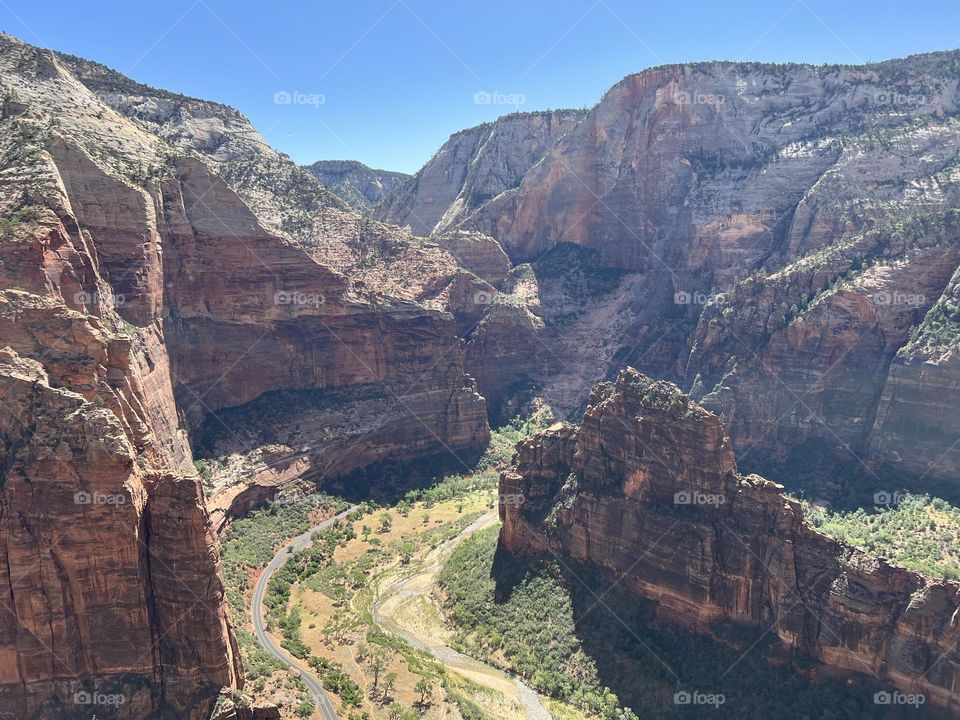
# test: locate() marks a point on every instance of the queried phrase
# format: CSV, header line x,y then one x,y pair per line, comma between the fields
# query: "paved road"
x,y
259,626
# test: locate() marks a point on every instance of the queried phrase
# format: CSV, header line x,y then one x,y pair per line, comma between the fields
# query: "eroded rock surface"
x,y
160,263
781,232
480,165
647,490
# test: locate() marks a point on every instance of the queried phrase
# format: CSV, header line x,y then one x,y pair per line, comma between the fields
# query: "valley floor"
x,y
387,632
407,610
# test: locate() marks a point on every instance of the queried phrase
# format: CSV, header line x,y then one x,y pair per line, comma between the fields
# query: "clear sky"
x,y
387,81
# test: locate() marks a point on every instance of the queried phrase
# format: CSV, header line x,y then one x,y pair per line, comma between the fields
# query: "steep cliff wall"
x,y
781,230
647,490
140,292
480,165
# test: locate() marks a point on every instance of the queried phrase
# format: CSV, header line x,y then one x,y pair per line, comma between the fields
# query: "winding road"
x,y
418,585
259,625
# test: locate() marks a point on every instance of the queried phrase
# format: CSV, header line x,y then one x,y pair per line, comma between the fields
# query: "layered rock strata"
x,y
647,490
782,232
160,263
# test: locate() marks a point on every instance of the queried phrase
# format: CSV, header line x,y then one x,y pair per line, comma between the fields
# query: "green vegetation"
x,y
305,563
205,471
249,543
917,532
503,439
555,626
547,654
12,223
337,681
252,541
940,328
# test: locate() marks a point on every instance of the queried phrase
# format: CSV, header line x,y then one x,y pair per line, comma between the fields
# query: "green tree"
x,y
389,683
377,664
426,692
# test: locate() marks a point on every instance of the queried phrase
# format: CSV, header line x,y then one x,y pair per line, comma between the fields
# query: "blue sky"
x,y
387,81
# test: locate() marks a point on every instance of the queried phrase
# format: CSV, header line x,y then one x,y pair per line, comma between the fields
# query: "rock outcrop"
x,y
647,490
359,186
110,598
781,233
478,253
160,265
480,165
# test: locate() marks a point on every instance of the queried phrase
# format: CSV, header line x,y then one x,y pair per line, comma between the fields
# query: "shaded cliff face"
x,y
359,186
325,299
484,164
647,490
782,232
140,292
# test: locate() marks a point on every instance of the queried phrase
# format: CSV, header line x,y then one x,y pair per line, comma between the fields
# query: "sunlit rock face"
x,y
787,243
159,263
474,167
646,489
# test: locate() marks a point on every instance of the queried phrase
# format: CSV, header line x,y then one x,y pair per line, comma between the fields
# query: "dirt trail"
x,y
400,610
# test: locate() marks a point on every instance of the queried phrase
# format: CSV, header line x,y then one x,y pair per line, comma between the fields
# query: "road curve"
x,y
259,626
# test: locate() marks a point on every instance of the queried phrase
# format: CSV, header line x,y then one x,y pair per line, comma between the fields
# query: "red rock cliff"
x,y
140,293
647,490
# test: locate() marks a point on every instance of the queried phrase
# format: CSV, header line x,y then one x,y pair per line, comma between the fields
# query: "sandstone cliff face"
x,y
917,426
781,231
478,253
474,167
242,226
286,199
554,324
141,291
647,489
359,186
109,574
715,157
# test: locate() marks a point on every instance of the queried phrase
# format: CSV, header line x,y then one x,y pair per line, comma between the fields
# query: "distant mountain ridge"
x,y
359,186
786,242
473,167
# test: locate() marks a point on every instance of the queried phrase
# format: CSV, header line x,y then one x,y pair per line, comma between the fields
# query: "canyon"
x,y
192,325
161,264
778,240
